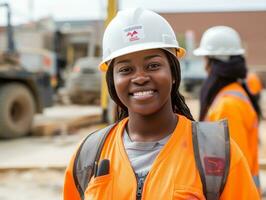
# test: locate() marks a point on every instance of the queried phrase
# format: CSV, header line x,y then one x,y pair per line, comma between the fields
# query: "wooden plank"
x,y
66,127
4,169
65,119
262,164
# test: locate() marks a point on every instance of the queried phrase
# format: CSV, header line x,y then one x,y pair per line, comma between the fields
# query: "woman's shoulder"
x,y
229,100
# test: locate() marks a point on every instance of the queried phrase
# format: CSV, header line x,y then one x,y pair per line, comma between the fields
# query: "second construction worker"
x,y
225,94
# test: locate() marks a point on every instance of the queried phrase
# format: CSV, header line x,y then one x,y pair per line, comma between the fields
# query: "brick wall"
x,y
250,25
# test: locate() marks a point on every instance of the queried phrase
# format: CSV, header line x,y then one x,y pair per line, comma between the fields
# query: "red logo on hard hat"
x,y
214,166
133,35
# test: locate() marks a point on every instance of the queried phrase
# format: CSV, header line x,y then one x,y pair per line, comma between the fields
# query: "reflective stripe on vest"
x,y
88,153
233,93
211,145
236,94
241,96
256,180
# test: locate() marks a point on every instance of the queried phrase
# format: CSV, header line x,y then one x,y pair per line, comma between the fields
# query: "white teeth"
x,y
143,93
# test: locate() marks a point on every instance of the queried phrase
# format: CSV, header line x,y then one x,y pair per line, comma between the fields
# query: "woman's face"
x,y
143,81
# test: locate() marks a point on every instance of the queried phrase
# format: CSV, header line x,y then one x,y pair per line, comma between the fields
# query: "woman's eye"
x,y
125,70
153,66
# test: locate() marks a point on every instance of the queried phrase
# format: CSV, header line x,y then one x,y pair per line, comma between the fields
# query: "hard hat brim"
x,y
140,47
203,52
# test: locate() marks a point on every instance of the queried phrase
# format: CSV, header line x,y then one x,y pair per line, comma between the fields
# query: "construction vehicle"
x,y
22,93
83,84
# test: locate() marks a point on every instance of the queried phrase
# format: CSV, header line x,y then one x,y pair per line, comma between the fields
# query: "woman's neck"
x,y
151,127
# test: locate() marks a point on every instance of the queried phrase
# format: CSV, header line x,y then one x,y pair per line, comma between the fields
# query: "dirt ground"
x,y
38,184
34,167
42,183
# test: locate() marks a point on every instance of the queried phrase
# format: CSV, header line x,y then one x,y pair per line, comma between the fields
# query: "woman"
x,y
150,150
225,94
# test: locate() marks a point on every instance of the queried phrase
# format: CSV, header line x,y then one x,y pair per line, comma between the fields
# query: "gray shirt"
x,y
142,154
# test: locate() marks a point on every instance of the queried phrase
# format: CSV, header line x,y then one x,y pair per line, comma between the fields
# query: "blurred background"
x,y
51,95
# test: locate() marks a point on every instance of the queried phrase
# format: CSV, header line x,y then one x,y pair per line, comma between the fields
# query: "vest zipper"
x,y
140,184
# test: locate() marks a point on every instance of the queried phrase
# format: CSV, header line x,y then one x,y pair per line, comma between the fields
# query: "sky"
x,y
26,10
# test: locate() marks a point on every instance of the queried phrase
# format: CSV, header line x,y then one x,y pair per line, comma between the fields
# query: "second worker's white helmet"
x,y
220,41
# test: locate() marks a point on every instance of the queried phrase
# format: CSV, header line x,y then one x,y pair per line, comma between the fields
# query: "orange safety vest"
x,y
233,103
173,175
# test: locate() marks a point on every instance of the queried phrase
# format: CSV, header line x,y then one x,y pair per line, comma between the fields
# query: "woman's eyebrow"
x,y
151,56
145,58
123,61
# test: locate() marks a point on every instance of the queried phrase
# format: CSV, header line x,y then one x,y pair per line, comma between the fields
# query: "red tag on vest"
x,y
214,166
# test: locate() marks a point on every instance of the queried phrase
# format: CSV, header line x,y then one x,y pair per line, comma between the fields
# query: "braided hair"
x,y
178,101
254,101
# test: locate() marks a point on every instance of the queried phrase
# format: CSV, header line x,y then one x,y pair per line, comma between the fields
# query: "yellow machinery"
x,y
105,100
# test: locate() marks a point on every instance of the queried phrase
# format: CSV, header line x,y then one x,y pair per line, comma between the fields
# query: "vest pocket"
x,y
99,188
187,194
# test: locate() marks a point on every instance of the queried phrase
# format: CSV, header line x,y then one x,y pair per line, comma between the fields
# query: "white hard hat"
x,y
134,30
219,42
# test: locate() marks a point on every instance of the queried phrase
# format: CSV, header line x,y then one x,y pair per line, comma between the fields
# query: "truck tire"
x,y
17,108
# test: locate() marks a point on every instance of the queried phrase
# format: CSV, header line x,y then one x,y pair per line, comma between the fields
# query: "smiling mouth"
x,y
143,93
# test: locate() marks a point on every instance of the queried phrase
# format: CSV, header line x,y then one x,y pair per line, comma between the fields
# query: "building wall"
x,y
250,25
29,39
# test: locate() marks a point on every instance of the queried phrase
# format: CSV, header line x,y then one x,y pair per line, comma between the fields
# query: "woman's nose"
x,y
140,78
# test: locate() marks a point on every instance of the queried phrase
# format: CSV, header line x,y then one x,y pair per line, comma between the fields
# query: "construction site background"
x,y
33,166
